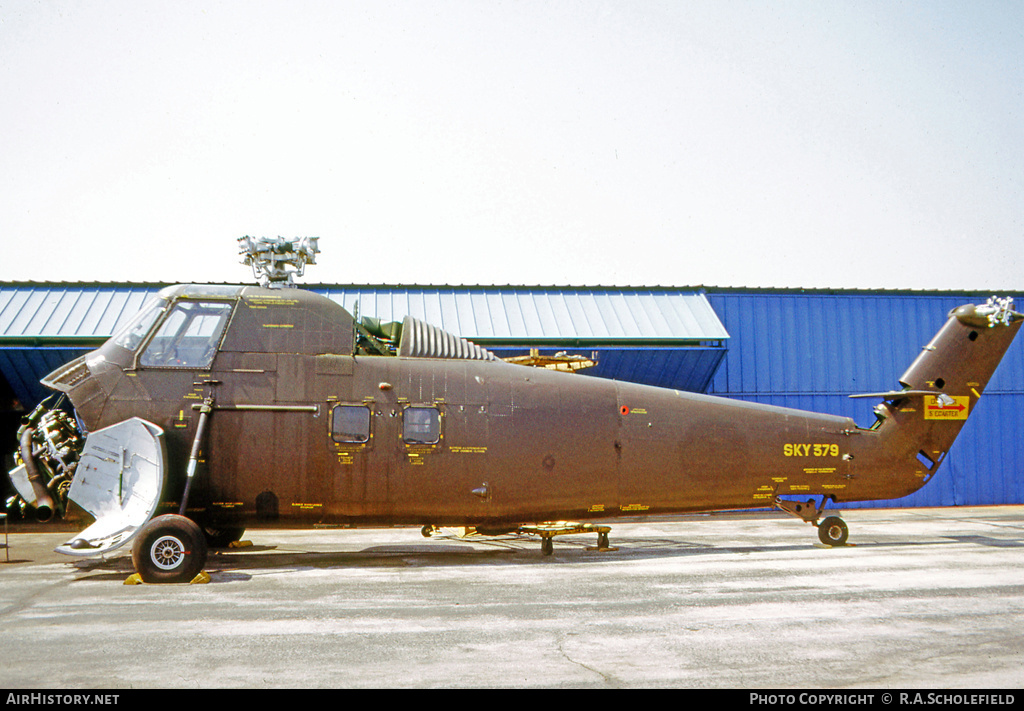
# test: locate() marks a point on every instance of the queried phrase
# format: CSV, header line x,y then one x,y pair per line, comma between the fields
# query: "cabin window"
x,y
421,425
350,423
189,336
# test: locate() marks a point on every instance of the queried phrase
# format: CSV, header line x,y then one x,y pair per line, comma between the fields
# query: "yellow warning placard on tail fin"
x,y
946,407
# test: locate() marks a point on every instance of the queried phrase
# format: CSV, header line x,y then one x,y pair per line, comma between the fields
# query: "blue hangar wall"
x,y
811,350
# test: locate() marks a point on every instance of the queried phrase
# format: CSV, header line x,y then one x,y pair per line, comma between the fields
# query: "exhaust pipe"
x,y
44,504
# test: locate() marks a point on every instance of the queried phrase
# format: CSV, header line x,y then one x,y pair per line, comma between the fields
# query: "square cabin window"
x,y
421,425
350,423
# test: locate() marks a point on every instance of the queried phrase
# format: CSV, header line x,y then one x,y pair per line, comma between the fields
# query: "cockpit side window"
x,y
188,336
132,334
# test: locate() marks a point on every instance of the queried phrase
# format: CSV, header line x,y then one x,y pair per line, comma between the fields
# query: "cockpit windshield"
x,y
188,337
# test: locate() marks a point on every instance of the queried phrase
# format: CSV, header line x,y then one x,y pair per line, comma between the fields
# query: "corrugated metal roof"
x,y
488,314
611,320
536,314
72,313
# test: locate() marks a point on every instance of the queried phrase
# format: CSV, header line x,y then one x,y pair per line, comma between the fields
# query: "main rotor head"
x,y
276,262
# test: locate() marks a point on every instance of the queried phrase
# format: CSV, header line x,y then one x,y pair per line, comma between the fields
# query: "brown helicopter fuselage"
x,y
303,429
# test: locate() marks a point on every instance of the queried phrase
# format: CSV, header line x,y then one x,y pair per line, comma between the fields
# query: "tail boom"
x,y
918,425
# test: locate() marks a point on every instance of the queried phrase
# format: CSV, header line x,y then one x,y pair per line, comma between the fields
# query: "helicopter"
x,y
221,408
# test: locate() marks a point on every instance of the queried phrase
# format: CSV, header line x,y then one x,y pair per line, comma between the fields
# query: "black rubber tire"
x,y
169,549
222,537
832,531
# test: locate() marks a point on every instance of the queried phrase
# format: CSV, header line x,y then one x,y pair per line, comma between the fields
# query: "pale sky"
x,y
855,144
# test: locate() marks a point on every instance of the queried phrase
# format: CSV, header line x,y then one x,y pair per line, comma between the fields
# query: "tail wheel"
x,y
169,549
833,531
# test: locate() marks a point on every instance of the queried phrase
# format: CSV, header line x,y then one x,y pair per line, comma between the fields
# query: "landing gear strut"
x,y
832,531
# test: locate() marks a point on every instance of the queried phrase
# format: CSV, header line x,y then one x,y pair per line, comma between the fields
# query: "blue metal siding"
x,y
689,369
23,368
843,344
810,351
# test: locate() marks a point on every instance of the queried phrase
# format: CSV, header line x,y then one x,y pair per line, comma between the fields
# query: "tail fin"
x,y
942,386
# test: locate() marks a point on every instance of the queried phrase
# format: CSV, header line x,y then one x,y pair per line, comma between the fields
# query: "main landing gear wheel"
x,y
169,549
832,531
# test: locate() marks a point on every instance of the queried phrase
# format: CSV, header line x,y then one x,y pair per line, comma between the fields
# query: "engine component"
x,y
49,447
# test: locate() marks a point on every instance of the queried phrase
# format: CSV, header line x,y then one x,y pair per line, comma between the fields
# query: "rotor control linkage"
x,y
193,458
